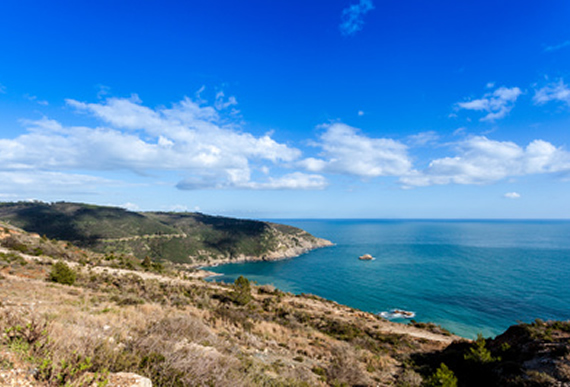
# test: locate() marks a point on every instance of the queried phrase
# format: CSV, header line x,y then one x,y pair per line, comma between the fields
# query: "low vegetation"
x,y
535,354
190,238
62,274
125,314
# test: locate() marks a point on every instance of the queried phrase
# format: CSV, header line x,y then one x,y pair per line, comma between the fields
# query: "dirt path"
x,y
337,309
150,236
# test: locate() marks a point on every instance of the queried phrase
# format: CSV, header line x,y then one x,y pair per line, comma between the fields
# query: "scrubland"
x,y
122,314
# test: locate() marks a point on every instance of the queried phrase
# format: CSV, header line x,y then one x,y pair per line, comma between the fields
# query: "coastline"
x,y
288,253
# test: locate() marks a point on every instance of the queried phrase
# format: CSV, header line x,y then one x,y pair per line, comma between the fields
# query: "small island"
x,y
366,257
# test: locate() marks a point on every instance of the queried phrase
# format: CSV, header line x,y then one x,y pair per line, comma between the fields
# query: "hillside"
x,y
122,316
107,318
189,238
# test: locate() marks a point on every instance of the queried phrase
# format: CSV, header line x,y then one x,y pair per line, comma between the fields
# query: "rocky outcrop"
x,y
284,242
128,379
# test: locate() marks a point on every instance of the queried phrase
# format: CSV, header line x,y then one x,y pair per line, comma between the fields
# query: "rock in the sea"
x,y
127,379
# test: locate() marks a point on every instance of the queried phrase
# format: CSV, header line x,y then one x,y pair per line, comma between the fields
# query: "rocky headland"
x,y
193,239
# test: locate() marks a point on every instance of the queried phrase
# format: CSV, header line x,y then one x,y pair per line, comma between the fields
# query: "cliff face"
x,y
282,242
190,238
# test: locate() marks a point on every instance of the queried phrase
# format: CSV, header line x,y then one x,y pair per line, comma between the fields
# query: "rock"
x,y
128,379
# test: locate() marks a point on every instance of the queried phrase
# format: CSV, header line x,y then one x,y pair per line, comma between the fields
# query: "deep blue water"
x,y
468,276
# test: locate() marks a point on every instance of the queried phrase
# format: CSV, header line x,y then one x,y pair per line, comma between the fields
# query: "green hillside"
x,y
179,237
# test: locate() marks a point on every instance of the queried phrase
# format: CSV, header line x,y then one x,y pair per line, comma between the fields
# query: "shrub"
x,y
147,262
62,274
478,353
242,291
345,369
443,377
410,378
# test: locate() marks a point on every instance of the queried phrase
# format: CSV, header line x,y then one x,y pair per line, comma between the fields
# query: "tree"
x,y
242,291
478,353
443,377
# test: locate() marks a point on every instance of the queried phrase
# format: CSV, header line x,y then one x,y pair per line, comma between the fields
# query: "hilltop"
x,y
185,238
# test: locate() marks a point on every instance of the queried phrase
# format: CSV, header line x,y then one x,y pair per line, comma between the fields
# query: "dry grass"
x,y
181,332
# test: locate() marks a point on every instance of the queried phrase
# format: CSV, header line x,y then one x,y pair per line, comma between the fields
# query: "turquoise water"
x,y
468,276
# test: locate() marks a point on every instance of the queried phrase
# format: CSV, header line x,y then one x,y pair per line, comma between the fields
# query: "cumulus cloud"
x,y
188,138
346,151
480,160
512,195
352,17
556,91
496,104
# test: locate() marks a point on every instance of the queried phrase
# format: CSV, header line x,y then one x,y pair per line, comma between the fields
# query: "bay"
x,y
468,276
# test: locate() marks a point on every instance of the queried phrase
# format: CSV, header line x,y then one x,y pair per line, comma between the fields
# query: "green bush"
x,y
478,353
62,274
242,291
443,377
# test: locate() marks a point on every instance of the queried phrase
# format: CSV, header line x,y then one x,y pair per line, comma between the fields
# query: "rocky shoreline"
x,y
284,253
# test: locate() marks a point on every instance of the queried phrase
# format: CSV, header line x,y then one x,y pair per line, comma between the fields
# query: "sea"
x,y
469,276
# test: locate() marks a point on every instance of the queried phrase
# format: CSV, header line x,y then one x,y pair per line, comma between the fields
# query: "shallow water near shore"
x,y
468,276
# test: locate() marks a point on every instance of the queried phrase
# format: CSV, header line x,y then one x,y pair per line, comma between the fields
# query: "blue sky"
x,y
277,109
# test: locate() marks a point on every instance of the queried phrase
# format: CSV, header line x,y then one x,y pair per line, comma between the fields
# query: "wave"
x,y
397,313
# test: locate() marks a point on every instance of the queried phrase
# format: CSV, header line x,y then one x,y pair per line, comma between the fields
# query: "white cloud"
x,y
346,151
35,99
130,206
37,181
191,139
222,103
179,208
557,47
512,195
295,180
423,138
102,91
360,113
497,104
352,17
482,161
460,131
556,91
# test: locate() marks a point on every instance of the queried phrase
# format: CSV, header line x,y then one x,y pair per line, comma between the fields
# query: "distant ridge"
x,y
191,238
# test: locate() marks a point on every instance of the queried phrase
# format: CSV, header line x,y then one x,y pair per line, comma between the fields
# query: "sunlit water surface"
x,y
468,276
